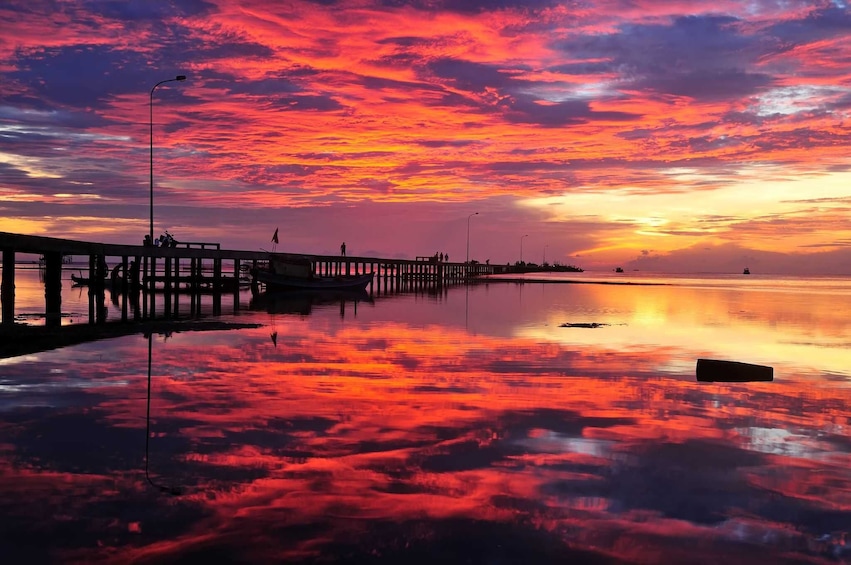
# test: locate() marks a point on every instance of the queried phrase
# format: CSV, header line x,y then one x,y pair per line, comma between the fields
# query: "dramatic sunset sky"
x,y
652,134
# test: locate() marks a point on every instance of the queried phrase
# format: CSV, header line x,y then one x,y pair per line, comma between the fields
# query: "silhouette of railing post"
x,y
7,292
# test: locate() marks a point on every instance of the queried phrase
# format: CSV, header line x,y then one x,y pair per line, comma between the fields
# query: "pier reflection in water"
x,y
399,435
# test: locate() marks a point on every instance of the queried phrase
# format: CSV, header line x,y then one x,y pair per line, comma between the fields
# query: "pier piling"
x,y
7,291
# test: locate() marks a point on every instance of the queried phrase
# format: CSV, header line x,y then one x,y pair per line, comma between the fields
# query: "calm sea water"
x,y
466,426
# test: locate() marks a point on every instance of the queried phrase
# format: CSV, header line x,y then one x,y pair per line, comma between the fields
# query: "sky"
x,y
659,135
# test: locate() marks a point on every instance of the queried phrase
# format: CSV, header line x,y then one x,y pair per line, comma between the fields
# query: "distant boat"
x,y
716,370
619,270
746,271
290,273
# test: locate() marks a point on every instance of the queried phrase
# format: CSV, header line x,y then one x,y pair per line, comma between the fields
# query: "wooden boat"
x,y
292,273
717,370
746,271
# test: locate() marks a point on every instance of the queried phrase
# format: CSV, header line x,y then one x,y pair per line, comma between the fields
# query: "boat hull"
x,y
274,281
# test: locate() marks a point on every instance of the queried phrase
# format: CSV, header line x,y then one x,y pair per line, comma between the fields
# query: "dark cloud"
x,y
79,77
708,85
474,77
307,102
471,6
407,41
438,143
149,11
559,114
819,24
702,57
513,99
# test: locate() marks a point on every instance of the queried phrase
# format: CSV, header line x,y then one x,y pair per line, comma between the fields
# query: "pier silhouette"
x,y
146,281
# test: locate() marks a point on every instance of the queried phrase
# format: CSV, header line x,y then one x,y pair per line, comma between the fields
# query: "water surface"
x,y
464,426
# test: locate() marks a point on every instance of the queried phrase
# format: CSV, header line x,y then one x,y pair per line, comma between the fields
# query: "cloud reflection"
x,y
373,439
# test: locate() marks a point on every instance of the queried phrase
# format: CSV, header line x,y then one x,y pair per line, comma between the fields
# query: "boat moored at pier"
x,y
284,272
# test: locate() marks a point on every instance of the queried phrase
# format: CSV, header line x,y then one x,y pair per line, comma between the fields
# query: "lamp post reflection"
x,y
176,491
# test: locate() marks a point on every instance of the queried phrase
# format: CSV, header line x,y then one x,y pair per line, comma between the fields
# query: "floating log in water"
x,y
716,370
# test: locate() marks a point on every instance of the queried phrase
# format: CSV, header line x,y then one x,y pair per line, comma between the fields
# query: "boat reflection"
x,y
302,302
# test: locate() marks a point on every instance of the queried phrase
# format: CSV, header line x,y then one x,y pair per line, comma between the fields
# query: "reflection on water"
x,y
303,301
462,427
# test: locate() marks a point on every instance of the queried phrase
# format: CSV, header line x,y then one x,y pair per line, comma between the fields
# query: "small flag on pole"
x,y
275,237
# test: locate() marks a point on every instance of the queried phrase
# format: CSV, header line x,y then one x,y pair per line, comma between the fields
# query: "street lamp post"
x,y
468,235
521,246
177,78
544,262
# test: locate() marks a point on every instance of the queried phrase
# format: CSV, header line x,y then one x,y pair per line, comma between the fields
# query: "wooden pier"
x,y
197,268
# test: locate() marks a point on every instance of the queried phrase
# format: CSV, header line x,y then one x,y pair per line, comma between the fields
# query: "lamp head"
x,y
180,77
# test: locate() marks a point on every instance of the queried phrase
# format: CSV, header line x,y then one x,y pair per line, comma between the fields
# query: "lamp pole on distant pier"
x,y
521,246
468,235
177,78
544,262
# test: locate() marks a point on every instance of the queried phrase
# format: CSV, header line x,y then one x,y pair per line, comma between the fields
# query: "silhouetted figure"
x,y
343,249
147,241
101,270
133,274
441,257
166,240
446,257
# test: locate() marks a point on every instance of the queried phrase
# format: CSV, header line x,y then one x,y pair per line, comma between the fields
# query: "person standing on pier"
x,y
343,249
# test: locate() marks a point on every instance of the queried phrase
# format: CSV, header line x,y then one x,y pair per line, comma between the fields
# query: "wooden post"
x,y
92,292
167,286
124,286
53,288
134,274
217,287
236,286
175,308
167,273
217,272
193,267
7,293
152,285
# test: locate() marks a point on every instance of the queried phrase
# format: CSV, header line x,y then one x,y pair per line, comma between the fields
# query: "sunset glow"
x,y
671,136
